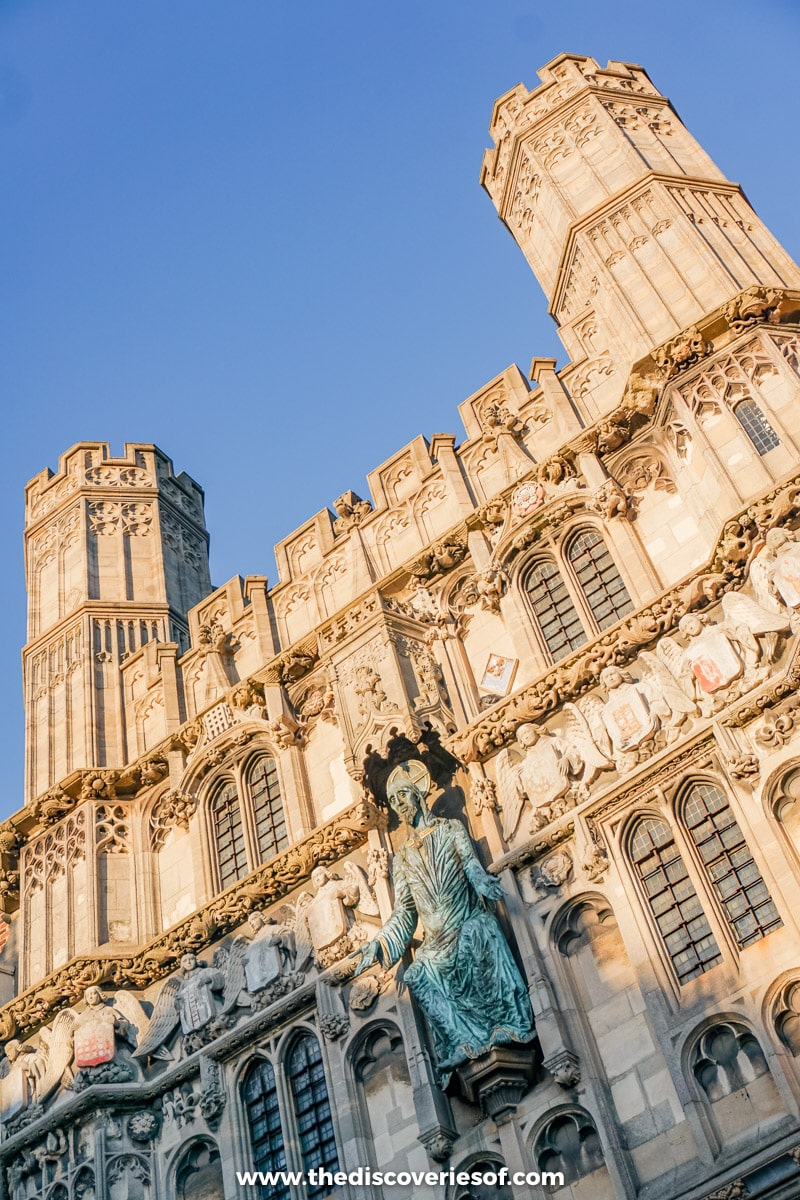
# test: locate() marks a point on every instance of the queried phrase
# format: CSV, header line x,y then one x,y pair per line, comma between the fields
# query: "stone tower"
x,y
116,553
631,229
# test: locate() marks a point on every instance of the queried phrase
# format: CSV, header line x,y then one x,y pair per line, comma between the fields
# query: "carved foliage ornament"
x,y
174,809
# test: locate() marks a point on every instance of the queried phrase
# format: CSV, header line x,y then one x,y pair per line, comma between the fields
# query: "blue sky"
x,y
252,232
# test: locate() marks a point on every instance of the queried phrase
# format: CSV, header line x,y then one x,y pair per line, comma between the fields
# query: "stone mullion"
x,y
755,467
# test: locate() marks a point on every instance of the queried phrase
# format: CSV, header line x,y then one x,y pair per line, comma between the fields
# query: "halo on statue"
x,y
409,774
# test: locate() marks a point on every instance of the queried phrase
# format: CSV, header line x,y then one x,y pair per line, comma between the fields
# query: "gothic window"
x,y
488,1171
729,1066
265,797
229,837
756,426
598,578
787,1017
247,820
673,900
726,857
554,609
386,1099
199,1175
569,1144
312,1109
727,1057
264,1122
786,807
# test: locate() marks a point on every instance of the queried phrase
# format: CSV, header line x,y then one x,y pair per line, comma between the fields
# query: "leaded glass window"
x,y
226,815
726,857
264,1122
600,581
673,900
312,1109
265,795
756,426
554,610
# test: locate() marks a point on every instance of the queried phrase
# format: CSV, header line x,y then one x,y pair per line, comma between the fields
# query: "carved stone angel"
x,y
542,768
636,709
756,630
259,965
721,654
81,1046
20,1071
775,571
322,928
188,999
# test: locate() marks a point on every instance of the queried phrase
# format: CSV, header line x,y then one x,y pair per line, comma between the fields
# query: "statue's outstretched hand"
x,y
368,956
492,888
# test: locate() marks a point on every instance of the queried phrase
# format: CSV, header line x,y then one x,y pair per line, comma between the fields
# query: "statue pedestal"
x,y
498,1080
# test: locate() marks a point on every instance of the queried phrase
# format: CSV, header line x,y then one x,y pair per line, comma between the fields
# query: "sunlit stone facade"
x,y
583,615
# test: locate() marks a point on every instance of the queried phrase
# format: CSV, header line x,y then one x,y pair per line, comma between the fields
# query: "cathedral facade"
x,y
576,626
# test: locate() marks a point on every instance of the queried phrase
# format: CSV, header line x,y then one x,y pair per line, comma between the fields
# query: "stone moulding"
x,y
269,883
724,571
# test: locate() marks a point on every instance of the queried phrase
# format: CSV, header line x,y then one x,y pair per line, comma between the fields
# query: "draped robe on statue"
x,y
464,976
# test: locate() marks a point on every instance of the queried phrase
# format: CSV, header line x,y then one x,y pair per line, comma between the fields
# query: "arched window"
x,y
569,1144
786,807
729,1066
489,1188
553,609
265,797
787,1017
726,857
673,900
312,1109
385,1095
756,426
260,1097
599,579
229,839
199,1176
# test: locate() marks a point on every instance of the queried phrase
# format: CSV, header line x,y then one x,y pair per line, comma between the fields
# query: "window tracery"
x,y
726,1058
247,818
731,869
598,578
569,1143
553,609
199,1174
260,1095
756,426
265,795
577,595
735,1081
485,1168
787,1017
312,1109
307,1128
673,900
228,828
